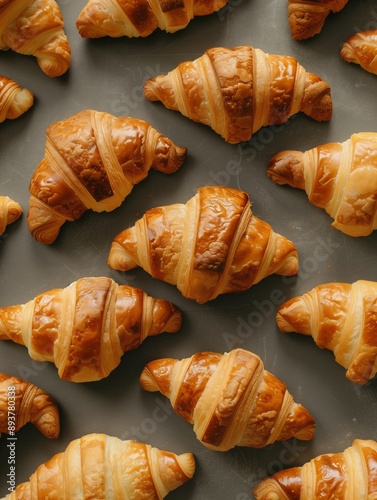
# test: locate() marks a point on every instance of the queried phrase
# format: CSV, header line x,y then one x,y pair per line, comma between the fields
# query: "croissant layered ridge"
x,y
92,161
211,245
10,211
85,328
14,100
237,91
361,48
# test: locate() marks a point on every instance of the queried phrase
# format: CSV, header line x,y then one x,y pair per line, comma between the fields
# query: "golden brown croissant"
x,y
208,246
10,211
340,317
36,27
14,100
347,475
118,18
85,328
22,402
339,177
361,48
99,466
307,17
237,91
230,399
92,161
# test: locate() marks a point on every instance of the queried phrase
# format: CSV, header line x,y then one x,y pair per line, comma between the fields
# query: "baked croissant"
x,y
347,475
208,246
22,402
92,161
14,100
118,18
10,211
85,328
230,399
307,17
237,91
36,27
340,317
339,177
104,467
361,48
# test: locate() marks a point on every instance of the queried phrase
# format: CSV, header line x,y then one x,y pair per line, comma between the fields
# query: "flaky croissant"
x,y
340,317
211,245
99,466
10,211
348,475
36,27
339,177
307,17
14,100
118,18
237,91
85,328
361,48
230,399
22,402
92,161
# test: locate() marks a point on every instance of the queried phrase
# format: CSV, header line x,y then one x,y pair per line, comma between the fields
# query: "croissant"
x,y
92,161
230,399
236,91
339,177
22,402
208,246
118,18
85,328
361,48
340,317
10,211
14,100
36,27
307,17
104,467
347,475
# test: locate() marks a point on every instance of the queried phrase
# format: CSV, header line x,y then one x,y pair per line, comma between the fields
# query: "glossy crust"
x,y
236,91
92,161
340,317
361,48
36,27
230,399
348,475
209,246
339,177
85,328
98,466
10,211
14,100
22,402
307,17
116,18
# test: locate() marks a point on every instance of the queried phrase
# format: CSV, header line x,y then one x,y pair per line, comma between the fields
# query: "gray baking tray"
x,y
108,75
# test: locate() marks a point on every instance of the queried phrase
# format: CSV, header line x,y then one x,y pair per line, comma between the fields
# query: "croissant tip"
x,y
187,464
150,90
147,381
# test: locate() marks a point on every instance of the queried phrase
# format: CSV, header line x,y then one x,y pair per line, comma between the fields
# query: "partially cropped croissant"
x,y
85,328
92,161
340,317
22,402
10,211
211,245
348,475
36,27
361,48
307,17
230,399
99,466
118,18
237,91
339,177
14,100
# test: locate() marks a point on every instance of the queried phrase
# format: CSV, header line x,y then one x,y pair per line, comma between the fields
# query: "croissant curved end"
x,y
286,167
174,321
148,382
44,224
269,489
151,87
22,102
187,464
49,423
289,266
119,259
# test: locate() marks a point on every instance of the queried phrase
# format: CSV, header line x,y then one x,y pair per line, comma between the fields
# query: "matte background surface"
x,y
108,75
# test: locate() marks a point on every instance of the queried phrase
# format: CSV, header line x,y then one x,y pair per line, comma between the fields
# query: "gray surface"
x,y
108,75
